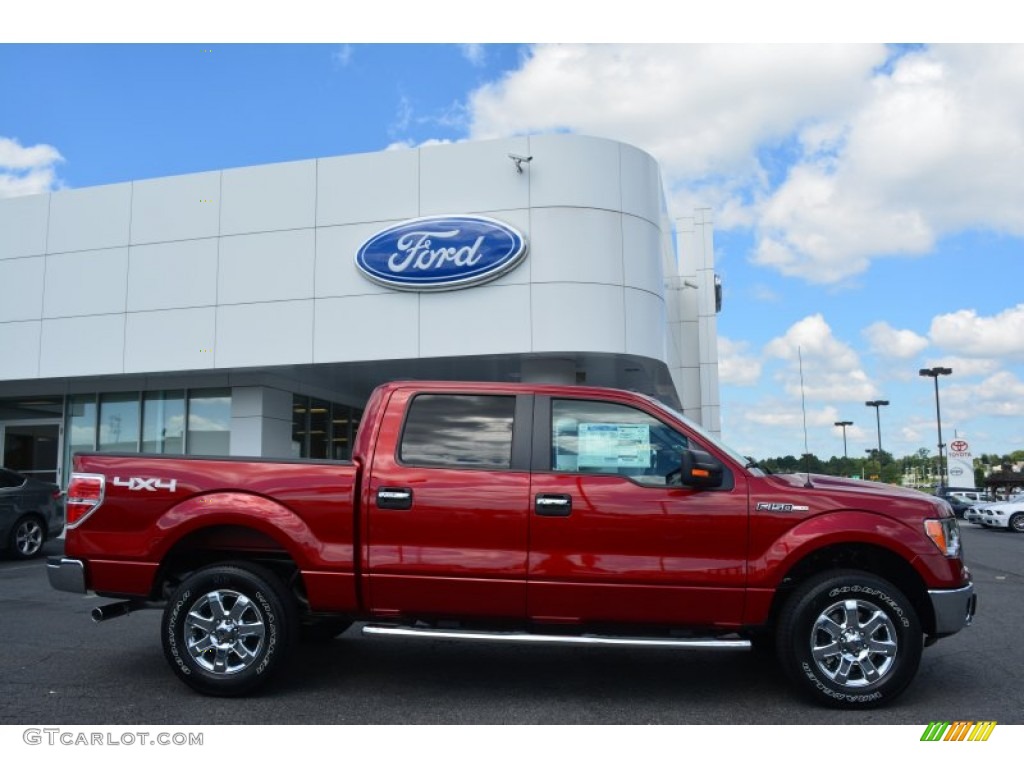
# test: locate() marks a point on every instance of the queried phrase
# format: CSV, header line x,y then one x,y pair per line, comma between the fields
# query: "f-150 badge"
x,y
775,506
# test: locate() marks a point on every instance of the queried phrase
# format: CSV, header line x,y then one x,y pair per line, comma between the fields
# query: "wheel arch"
x,y
223,543
230,526
871,558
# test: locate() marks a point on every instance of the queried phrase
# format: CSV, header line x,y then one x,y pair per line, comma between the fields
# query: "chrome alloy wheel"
x,y
224,632
854,643
28,537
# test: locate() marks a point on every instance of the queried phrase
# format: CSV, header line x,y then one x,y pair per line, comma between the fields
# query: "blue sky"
x,y
867,198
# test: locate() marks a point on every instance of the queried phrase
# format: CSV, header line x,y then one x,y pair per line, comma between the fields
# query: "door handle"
x,y
394,498
553,504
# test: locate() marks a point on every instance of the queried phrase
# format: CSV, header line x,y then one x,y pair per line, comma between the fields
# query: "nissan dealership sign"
x,y
439,253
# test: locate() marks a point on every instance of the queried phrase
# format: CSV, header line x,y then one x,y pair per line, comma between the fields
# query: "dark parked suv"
x,y
961,499
31,512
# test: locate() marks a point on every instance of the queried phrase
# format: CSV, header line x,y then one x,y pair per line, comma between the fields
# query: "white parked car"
x,y
1002,514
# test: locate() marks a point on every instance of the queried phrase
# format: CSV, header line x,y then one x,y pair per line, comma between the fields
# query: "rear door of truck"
x,y
448,504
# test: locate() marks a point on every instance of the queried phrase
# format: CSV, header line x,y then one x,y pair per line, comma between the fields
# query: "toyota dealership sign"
x,y
959,463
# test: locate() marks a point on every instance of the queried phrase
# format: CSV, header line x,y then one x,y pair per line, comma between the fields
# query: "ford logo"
x,y
439,253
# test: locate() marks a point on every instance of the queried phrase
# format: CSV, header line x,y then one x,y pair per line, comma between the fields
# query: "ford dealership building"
x,y
251,311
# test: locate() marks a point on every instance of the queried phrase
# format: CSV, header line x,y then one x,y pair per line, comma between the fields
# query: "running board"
x,y
697,643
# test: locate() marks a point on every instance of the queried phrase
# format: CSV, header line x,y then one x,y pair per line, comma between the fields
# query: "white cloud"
x,y
18,158
735,366
831,158
911,433
342,56
813,337
415,145
965,333
831,368
965,366
935,148
700,109
890,342
27,170
474,53
1001,394
764,293
788,416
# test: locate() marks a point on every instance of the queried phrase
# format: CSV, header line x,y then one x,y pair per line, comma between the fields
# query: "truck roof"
x,y
577,390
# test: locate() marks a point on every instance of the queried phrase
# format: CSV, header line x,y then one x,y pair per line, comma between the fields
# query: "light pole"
x,y
844,425
877,404
934,373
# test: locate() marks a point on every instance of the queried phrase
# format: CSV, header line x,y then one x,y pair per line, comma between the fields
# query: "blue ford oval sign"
x,y
440,253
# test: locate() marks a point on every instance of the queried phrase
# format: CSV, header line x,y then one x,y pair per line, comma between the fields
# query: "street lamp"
x,y
844,425
876,404
935,373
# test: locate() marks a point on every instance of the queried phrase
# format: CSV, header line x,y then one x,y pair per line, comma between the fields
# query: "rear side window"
x,y
464,431
9,479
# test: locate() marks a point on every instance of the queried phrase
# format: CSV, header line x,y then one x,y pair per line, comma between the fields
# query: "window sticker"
x,y
614,446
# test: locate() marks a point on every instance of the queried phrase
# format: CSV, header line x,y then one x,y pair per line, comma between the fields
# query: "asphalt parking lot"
x,y
58,667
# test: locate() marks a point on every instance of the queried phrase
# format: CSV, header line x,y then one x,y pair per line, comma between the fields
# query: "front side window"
x,y
463,431
591,437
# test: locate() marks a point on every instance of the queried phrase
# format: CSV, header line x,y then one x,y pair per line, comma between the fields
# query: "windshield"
x,y
735,455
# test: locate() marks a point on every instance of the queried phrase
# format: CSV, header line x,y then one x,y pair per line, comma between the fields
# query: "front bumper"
x,y
66,574
954,609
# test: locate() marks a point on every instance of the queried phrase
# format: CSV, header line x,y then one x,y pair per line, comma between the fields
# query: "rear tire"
x,y
849,639
27,537
227,629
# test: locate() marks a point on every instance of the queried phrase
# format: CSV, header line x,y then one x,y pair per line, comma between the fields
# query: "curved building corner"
x,y
225,312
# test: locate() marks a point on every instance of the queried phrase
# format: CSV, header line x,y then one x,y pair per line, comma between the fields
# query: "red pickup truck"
x,y
519,513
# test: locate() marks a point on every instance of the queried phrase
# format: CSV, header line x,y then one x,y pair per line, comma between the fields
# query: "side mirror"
x,y
700,469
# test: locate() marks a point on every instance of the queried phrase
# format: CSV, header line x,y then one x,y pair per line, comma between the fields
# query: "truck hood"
x,y
828,493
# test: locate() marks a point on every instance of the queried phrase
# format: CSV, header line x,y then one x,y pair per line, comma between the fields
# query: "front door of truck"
x,y
614,537
448,505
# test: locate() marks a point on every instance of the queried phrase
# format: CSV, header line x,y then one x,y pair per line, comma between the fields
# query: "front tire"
x,y
1016,523
27,538
227,629
849,639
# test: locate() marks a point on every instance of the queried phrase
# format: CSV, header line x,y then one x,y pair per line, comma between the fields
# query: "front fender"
x,y
773,556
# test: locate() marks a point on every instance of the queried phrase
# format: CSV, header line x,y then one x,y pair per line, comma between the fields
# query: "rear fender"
x,y
241,510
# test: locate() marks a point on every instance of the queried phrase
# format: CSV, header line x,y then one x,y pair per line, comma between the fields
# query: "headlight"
x,y
945,533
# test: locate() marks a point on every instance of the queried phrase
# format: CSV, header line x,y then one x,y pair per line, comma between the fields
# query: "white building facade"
x,y
224,312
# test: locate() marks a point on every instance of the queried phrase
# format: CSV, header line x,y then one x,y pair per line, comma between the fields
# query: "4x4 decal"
x,y
146,484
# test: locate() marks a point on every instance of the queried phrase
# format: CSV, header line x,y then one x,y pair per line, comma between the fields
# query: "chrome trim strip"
x,y
526,637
